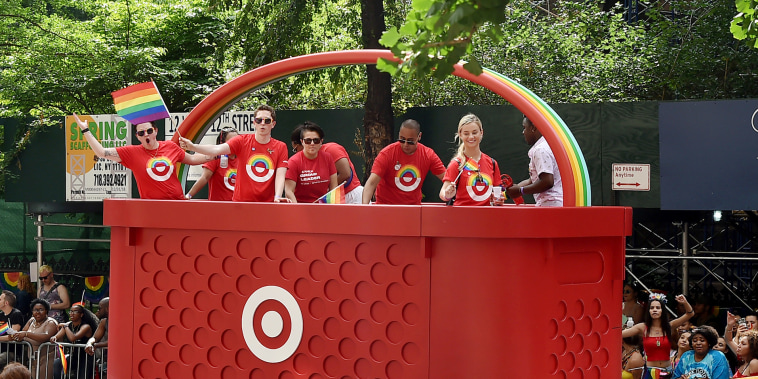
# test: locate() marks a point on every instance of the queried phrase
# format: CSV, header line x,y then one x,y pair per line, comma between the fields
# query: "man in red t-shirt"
x,y
400,169
152,162
262,160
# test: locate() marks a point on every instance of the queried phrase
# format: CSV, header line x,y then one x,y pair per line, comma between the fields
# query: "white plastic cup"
x,y
497,191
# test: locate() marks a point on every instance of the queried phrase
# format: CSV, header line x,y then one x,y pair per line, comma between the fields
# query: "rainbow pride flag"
x,y
335,196
140,103
4,328
95,288
64,361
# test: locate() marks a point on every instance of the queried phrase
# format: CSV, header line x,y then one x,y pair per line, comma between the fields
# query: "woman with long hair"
x,y
25,294
748,350
731,357
657,331
77,331
471,174
682,346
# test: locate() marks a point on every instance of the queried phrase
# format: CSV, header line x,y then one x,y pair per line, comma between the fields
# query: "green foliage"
x,y
744,25
437,34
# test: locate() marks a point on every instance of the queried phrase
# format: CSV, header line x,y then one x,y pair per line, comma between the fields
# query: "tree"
x,y
576,53
59,57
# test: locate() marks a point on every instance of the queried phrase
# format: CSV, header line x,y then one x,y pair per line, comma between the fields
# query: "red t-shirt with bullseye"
x,y
154,170
474,188
257,167
311,176
222,181
402,174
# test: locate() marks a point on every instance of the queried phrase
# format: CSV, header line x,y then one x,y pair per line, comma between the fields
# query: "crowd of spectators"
x,y
685,342
49,321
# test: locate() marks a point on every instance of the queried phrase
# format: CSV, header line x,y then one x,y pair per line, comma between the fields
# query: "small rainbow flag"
x,y
140,103
471,165
95,288
64,361
4,328
335,196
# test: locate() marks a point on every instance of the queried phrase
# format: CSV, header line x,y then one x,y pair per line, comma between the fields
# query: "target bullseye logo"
x,y
272,324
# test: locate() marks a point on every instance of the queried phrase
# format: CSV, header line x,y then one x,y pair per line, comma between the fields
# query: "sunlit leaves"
x,y
744,26
438,33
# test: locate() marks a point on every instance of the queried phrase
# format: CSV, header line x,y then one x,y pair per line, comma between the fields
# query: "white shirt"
x,y
541,159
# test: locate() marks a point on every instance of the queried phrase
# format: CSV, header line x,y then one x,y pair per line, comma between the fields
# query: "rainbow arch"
x,y
575,176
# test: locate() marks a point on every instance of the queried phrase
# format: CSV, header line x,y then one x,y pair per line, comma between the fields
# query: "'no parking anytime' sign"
x,y
631,177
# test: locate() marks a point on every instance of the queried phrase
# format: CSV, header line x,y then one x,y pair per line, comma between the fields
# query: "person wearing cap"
x,y
262,159
400,168
544,177
152,162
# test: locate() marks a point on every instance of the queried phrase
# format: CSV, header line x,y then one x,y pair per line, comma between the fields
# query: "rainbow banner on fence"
x,y
95,288
140,103
64,361
10,281
335,196
4,328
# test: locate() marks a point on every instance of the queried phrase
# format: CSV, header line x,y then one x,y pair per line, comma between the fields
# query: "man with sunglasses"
x,y
400,169
152,162
262,159
56,294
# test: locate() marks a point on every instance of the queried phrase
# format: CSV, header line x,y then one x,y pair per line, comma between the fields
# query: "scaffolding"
x,y
716,259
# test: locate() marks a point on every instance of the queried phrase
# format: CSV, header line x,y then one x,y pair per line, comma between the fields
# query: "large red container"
x,y
228,290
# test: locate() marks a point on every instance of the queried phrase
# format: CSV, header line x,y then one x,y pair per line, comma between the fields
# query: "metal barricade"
x,y
21,352
80,365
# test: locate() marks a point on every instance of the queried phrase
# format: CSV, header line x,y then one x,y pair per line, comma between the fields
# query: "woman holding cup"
x,y
472,177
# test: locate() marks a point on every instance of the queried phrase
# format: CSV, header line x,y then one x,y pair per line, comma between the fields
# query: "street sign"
x,y
631,177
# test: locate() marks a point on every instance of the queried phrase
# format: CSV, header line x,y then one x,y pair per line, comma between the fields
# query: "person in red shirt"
x,y
262,159
219,174
345,169
152,162
345,172
400,169
471,174
311,173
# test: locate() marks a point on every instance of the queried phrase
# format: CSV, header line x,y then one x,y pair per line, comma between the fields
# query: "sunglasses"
x,y
408,141
308,141
44,277
142,133
262,120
